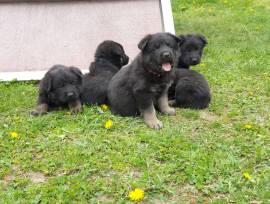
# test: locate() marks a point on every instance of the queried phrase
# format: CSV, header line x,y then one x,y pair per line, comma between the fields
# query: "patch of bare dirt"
x,y
7,179
135,174
205,115
104,199
187,194
36,177
255,202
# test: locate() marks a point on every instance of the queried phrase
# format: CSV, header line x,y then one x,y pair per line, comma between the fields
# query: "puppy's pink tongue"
x,y
167,67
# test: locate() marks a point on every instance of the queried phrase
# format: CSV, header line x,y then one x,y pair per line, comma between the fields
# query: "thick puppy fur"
x,y
190,89
60,87
136,88
109,59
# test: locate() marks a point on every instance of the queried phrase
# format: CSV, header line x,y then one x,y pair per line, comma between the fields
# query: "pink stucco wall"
x,y
34,36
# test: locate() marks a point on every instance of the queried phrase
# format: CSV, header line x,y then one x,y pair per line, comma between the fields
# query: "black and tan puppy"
x,y
190,89
60,87
109,58
136,88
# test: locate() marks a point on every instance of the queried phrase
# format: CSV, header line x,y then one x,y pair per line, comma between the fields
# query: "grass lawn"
x,y
198,157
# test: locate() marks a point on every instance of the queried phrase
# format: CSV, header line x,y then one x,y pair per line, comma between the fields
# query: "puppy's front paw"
x,y
172,102
76,109
40,110
155,124
170,111
36,113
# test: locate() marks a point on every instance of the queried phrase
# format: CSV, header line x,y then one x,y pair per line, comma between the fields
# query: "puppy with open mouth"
x,y
139,87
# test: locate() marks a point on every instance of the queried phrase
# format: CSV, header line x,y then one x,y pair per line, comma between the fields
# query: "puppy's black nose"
x,y
126,59
166,55
194,60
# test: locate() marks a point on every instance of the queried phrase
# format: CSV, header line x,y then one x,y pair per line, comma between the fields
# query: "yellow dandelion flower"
x,y
68,113
136,195
108,124
225,1
14,134
247,176
248,126
104,107
250,93
210,10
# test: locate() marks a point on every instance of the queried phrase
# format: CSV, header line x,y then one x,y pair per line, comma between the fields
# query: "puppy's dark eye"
x,y
157,46
62,84
169,45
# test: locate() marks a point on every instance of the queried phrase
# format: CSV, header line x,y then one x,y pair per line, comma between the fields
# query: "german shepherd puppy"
x,y
135,89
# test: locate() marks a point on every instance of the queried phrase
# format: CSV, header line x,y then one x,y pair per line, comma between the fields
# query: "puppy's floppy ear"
x,y
118,44
120,52
179,39
203,39
183,37
142,44
77,72
46,83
